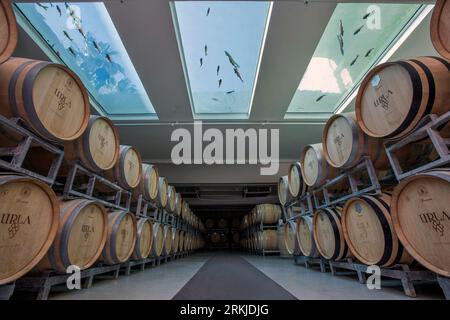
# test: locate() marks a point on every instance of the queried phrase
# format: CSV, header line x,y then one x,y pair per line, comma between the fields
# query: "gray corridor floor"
x,y
164,281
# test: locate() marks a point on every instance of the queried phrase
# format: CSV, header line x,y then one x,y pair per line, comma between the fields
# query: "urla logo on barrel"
x,y
234,139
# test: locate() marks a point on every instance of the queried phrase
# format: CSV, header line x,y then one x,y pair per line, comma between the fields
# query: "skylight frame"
x,y
219,116
39,39
343,103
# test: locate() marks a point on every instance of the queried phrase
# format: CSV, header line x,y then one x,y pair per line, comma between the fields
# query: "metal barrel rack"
x,y
13,156
42,283
325,195
310,262
429,129
82,183
404,274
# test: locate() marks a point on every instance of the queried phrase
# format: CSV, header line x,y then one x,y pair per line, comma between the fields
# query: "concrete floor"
x,y
164,281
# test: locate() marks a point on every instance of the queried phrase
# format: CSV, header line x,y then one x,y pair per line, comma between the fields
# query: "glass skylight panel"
x,y
84,37
221,42
355,38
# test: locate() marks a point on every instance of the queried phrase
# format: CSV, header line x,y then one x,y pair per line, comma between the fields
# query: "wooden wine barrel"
x,y
440,28
167,247
305,236
421,218
222,223
267,240
29,220
148,184
158,240
121,237
81,236
268,213
48,97
344,143
328,234
209,223
161,199
296,186
144,239
97,148
128,170
290,238
315,169
369,233
215,237
181,241
171,199
395,96
283,191
8,31
178,204
175,240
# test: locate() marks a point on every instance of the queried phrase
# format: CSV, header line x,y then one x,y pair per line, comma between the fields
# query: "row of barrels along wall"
x,y
262,214
38,231
400,226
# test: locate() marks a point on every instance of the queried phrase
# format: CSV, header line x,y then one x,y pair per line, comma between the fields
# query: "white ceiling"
x,y
147,31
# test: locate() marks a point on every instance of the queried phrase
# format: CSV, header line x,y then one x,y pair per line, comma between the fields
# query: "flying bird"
x,y
72,51
218,69
341,27
368,14
59,10
80,30
354,60
208,11
320,98
230,92
67,6
236,71
220,83
201,62
96,46
206,50
232,61
108,57
42,6
341,43
358,30
369,52
215,99
67,35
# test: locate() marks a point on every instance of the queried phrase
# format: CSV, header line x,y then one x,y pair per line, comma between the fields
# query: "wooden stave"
x,y
179,204
109,254
171,199
11,43
161,199
167,247
57,258
266,216
284,197
4,179
79,149
313,252
420,75
143,186
435,35
302,186
268,240
342,251
158,240
325,171
439,173
394,253
365,145
291,227
16,95
175,240
138,253
117,173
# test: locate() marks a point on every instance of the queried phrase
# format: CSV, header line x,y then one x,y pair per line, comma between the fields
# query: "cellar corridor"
x,y
179,279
